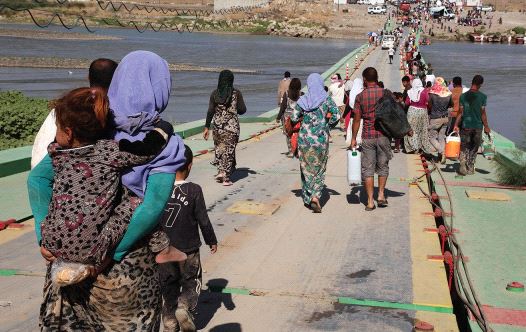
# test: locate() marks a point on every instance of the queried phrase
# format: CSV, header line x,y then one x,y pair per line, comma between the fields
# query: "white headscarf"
x,y
416,88
357,87
430,78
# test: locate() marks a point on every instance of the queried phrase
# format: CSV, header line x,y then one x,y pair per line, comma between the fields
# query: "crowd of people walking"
x,y
436,109
109,189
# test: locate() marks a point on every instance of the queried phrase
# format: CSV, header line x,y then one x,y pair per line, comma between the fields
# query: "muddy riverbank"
x,y
52,35
68,63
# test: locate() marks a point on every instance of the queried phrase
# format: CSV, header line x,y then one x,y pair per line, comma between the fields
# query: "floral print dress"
x,y
313,146
225,122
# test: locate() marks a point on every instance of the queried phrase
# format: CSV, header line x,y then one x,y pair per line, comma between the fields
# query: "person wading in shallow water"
x,y
472,115
318,111
225,104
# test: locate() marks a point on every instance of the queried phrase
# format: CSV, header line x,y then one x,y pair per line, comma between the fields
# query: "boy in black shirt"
x,y
181,282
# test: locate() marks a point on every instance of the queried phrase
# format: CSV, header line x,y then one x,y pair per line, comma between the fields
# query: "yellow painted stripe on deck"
x,y
429,279
9,234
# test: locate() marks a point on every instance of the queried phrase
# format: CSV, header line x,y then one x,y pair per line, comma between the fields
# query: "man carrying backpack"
x,y
376,147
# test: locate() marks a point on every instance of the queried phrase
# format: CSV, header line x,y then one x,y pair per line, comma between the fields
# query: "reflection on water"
x,y
504,70
271,56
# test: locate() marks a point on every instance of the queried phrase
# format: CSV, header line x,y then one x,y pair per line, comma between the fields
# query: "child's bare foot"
x,y
170,254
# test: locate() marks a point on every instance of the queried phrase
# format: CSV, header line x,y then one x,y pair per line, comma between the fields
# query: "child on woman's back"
x,y
90,210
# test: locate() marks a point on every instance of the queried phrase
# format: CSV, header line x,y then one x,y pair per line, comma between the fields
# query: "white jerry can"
x,y
354,167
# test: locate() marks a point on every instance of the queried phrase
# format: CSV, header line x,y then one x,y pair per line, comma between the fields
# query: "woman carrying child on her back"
x,y
126,295
89,210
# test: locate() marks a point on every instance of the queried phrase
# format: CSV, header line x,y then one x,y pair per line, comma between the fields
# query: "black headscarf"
x,y
225,87
294,89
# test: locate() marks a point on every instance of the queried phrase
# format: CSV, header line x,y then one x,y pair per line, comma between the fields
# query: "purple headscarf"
x,y
315,95
138,93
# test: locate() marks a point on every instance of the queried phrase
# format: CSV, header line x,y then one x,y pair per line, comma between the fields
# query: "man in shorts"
x,y
376,147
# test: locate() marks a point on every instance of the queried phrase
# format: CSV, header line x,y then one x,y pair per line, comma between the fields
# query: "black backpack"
x,y
390,117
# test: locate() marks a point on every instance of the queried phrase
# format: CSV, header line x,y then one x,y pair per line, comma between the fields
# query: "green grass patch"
x,y
511,169
20,118
519,30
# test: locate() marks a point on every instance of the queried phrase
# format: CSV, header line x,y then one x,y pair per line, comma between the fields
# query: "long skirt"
x,y
313,163
126,297
225,151
419,122
287,138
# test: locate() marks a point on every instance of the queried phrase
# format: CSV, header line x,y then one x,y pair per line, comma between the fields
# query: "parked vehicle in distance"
x,y
376,10
442,11
487,9
388,41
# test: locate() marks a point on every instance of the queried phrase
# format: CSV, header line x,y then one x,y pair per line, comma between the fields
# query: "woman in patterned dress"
x,y
226,103
316,111
417,98
126,295
288,103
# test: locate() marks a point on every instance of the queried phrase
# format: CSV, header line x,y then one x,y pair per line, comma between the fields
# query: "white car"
x,y
388,41
376,10
487,9
448,13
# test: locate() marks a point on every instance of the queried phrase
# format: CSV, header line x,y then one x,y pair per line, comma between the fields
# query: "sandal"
x,y
383,203
370,208
219,177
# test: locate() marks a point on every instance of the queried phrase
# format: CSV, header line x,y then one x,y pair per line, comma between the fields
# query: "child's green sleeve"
x,y
146,216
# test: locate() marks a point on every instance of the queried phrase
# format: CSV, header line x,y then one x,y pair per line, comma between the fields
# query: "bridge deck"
x,y
491,232
305,267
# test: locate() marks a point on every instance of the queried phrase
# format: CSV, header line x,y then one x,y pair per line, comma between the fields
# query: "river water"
x,y
270,56
504,70
503,67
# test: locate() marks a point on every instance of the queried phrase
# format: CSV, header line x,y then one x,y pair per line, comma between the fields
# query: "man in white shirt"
x,y
391,53
99,75
337,92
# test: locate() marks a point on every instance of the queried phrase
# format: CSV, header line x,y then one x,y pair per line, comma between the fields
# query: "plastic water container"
x,y
452,150
488,147
354,167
